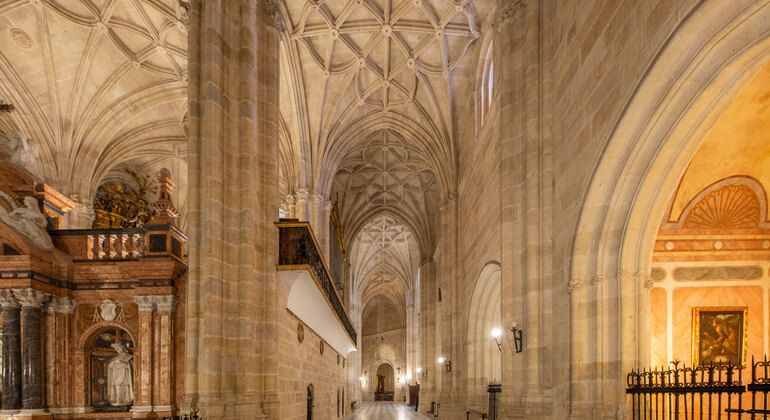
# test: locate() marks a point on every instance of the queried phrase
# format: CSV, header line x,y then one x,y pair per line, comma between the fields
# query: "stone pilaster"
x,y
59,365
163,324
31,347
12,388
143,358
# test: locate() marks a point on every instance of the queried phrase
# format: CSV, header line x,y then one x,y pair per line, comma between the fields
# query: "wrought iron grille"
x,y
715,391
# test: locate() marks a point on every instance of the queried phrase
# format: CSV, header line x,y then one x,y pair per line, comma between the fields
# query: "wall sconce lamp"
x,y
363,379
447,363
517,338
497,335
423,371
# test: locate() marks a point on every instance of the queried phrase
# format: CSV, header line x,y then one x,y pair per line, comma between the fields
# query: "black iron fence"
x,y
714,391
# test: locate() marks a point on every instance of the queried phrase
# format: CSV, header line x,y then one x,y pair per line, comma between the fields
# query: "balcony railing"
x,y
298,248
121,244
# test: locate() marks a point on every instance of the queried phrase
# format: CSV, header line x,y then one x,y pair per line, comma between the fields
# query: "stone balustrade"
x,y
121,244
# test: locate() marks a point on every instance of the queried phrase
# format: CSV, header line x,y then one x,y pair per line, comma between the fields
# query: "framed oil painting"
x,y
719,335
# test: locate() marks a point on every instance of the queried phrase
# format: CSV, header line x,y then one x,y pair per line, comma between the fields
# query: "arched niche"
x,y
99,353
484,363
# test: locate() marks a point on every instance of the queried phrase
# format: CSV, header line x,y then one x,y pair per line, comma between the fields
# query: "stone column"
x,y
31,347
232,302
143,357
11,350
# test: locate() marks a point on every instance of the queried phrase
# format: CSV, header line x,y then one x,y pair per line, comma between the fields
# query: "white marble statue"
x,y
27,220
22,151
120,377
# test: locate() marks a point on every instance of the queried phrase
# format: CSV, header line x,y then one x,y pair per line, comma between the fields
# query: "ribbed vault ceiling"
x,y
366,104
355,63
98,85
387,174
384,258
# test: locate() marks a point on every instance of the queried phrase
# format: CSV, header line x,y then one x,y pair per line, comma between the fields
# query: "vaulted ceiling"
x,y
358,66
384,257
98,85
366,105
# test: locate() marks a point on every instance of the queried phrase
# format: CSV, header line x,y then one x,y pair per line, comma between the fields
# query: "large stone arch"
x,y
708,58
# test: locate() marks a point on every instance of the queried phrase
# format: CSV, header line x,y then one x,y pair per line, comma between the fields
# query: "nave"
x,y
386,410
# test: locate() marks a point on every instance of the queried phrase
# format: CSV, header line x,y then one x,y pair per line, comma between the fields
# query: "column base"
x,y
140,409
71,410
34,414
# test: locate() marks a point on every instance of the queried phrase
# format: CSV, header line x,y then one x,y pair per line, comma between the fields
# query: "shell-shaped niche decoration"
x,y
734,206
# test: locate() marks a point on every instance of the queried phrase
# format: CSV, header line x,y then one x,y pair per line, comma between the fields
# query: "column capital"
x,y
31,297
152,303
274,17
7,299
165,303
145,303
62,304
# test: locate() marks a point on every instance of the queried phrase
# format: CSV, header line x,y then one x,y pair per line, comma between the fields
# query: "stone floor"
x,y
386,411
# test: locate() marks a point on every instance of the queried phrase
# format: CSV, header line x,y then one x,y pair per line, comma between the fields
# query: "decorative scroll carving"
x,y
733,206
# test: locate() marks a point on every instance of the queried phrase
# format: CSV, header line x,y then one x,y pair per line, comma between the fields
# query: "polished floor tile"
x,y
386,411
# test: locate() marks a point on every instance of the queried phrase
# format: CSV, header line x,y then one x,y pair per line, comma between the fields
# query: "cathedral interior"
x,y
384,209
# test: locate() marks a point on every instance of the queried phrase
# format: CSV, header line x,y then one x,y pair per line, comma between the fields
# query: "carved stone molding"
x,y
511,11
574,285
597,280
62,304
645,278
31,297
8,299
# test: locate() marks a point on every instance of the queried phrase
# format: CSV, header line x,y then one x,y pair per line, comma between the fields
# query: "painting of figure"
x,y
719,335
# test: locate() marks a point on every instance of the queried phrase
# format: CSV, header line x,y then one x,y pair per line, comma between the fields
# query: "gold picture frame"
x,y
719,335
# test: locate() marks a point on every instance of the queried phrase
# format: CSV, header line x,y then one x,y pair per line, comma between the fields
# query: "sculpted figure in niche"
x,y
22,151
27,220
120,377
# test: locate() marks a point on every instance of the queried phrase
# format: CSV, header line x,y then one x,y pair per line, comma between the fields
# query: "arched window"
x,y
485,81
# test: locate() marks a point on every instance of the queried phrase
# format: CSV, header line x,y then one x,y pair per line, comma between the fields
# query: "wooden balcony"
x,y
301,266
